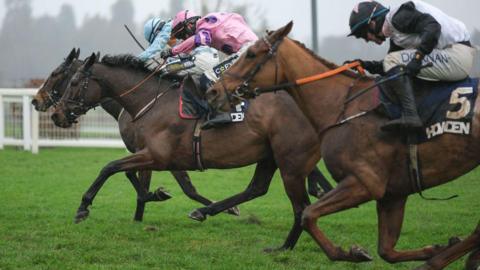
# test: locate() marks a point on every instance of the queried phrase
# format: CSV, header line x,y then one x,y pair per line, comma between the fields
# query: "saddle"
x,y
192,103
444,107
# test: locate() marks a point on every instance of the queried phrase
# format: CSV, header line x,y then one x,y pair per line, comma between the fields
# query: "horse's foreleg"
x,y
454,252
390,218
138,161
316,179
142,186
296,192
189,189
258,186
348,193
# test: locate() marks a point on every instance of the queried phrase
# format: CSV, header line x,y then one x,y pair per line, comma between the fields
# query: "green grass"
x,y
39,195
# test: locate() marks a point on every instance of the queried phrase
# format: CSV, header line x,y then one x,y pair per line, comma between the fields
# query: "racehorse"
x,y
54,88
272,144
367,163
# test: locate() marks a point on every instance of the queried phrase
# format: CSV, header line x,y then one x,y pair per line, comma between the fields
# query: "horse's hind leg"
x,y
347,194
390,218
189,189
454,252
316,179
258,186
138,161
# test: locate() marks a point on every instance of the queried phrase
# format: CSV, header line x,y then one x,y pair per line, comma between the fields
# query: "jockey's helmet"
x,y
184,24
362,14
151,29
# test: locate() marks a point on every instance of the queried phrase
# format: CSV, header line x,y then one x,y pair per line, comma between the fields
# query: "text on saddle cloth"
x,y
444,107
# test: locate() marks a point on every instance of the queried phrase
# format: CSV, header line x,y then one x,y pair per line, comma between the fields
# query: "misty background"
x,y
34,39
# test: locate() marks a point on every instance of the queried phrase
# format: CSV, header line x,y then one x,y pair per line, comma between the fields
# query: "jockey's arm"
x,y
159,43
409,20
202,37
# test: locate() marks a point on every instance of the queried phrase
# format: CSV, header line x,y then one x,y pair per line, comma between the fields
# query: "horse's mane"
x,y
327,63
125,60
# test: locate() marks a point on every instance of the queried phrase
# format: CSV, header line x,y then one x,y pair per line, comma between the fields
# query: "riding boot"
x,y
402,87
219,118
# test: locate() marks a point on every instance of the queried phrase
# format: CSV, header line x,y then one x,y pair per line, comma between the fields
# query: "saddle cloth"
x,y
444,107
193,107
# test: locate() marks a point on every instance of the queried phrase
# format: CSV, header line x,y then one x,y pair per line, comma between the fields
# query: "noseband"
x,y
80,104
55,96
243,90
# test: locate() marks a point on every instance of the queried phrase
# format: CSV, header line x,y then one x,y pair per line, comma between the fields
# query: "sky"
x,y
332,14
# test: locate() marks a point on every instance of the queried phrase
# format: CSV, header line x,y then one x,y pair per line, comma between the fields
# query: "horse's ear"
x,y
77,54
90,61
284,31
97,56
70,56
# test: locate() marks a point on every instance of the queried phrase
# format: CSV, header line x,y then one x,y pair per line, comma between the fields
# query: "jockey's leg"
x,y
402,87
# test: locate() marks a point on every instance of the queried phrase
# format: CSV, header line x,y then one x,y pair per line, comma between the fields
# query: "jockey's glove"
x,y
415,65
166,53
373,67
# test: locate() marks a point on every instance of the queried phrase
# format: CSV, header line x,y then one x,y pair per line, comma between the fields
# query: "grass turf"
x,y
39,195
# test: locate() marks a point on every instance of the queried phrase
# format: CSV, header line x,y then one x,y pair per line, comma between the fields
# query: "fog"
x,y
36,35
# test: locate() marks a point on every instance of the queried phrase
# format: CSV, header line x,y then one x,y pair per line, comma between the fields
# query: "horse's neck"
x,y
112,107
321,101
125,88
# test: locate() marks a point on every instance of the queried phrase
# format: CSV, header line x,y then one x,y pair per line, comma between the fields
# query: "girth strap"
x,y
197,155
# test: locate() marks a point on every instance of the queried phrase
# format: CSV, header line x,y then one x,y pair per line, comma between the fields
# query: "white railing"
x,y
22,125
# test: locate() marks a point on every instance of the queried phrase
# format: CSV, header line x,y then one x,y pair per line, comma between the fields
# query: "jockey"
x,y
226,32
419,34
158,33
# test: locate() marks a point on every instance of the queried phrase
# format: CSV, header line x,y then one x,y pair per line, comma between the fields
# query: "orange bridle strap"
x,y
357,65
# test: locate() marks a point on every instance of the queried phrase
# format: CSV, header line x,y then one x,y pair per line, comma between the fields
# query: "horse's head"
x,y
259,66
82,94
52,90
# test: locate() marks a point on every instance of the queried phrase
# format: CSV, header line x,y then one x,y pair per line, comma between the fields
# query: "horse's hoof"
x,y
359,254
162,195
233,211
197,215
454,240
81,216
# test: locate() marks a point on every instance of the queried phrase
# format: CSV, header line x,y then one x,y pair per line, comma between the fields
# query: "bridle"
x,y
54,96
243,90
80,106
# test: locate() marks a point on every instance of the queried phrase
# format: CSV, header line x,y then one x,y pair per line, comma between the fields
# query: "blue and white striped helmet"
x,y
151,29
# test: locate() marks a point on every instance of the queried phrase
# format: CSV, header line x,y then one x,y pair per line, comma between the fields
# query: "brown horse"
x,y
265,137
367,163
54,88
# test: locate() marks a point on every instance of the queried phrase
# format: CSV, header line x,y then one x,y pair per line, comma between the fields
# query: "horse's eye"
x,y
250,54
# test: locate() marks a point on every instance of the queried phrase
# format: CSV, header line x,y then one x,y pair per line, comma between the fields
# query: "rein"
x,y
354,65
135,87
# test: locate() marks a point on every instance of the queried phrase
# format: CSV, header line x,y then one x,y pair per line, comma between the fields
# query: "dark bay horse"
x,y
54,88
265,137
367,163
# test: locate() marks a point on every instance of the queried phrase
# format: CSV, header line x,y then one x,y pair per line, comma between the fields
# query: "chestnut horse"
x,y
266,137
367,163
54,88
